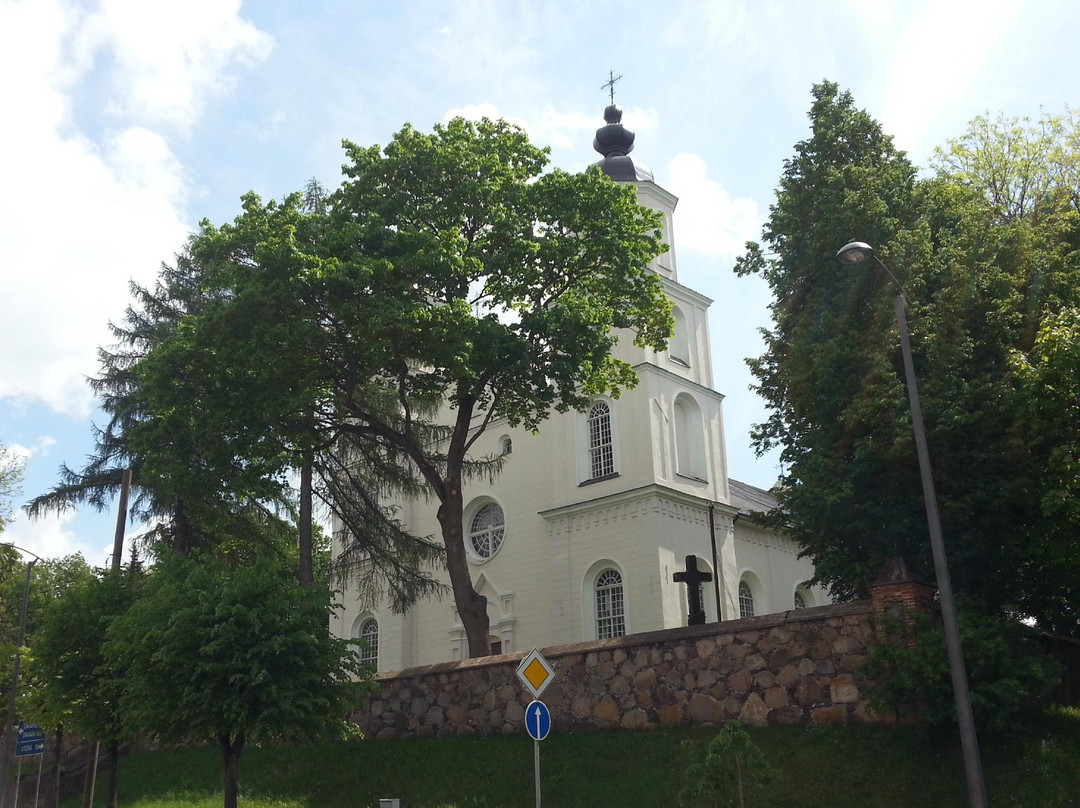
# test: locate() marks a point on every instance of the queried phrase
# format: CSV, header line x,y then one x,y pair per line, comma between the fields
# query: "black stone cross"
x,y
610,84
693,578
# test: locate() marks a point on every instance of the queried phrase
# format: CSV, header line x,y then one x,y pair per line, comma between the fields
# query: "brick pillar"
x,y
895,598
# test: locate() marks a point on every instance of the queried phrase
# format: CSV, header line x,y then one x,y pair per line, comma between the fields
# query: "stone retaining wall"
x,y
789,668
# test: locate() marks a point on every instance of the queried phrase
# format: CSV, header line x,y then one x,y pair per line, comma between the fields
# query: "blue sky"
x,y
126,122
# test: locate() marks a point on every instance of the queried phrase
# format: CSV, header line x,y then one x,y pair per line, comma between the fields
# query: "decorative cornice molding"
x,y
675,377
687,293
646,500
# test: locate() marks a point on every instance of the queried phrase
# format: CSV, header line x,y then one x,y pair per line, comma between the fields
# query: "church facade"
x,y
579,536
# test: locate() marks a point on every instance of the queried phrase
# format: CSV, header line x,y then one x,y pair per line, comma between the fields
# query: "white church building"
x,y
580,534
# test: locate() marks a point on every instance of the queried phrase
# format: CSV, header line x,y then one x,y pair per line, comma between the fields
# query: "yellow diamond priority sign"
x,y
535,672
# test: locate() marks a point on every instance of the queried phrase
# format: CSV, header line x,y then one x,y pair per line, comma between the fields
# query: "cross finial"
x,y
609,85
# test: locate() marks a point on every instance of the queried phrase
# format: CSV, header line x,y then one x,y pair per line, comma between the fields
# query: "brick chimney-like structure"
x,y
895,598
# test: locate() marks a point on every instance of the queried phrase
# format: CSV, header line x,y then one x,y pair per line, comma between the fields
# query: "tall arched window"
x,y
487,530
610,614
746,600
601,446
679,345
689,438
368,634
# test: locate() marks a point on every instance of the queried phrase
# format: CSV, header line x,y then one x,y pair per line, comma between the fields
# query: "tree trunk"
x,y
471,606
91,774
112,764
231,749
53,797
307,571
181,529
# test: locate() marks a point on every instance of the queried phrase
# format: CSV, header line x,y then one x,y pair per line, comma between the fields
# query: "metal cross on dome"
x,y
609,85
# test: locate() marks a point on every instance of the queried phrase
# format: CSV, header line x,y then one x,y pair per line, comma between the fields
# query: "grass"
x,y
1035,765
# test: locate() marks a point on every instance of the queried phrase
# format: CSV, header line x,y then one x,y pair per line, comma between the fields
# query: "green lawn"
x,y
1036,765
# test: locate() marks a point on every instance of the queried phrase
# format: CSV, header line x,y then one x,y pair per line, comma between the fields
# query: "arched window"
x,y
506,446
679,345
368,634
746,600
601,447
487,530
689,438
610,613
803,598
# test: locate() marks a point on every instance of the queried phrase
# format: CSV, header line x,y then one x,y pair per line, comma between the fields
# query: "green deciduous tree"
x,y
11,470
829,372
450,281
987,251
231,655
76,686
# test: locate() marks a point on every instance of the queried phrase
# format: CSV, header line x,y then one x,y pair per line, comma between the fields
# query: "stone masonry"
x,y
796,667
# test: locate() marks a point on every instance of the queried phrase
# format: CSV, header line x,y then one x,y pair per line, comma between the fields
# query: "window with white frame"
x,y
610,606
487,530
368,634
746,600
601,445
800,601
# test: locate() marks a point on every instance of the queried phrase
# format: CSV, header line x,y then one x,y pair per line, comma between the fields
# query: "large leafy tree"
x,y
451,281
231,654
192,492
76,686
987,252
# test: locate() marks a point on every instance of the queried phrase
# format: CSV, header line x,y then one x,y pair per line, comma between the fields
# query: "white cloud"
x,y
171,56
708,220
938,57
53,537
39,449
83,214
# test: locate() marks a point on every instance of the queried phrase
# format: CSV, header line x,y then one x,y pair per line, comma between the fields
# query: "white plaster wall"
x,y
774,560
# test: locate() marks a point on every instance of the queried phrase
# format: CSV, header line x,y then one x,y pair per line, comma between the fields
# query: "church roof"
x,y
615,142
749,499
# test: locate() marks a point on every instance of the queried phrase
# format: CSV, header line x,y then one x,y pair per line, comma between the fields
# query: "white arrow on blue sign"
x,y
30,740
537,720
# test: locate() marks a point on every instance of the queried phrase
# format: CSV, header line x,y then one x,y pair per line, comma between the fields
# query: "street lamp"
x,y
851,254
5,741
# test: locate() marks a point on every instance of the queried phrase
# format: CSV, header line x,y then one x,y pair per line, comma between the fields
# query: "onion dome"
x,y
615,142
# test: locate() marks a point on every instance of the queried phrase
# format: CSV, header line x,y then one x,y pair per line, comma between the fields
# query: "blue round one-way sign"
x,y
537,720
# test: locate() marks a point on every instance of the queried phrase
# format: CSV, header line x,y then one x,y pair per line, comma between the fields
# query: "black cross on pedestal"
x,y
693,578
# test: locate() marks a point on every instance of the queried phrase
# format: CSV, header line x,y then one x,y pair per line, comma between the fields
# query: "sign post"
x,y
29,741
536,674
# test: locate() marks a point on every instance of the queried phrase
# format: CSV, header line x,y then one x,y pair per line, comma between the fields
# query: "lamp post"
x,y
851,254
5,741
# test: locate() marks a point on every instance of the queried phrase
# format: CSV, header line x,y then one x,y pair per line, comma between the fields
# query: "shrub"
x,y
732,761
1006,669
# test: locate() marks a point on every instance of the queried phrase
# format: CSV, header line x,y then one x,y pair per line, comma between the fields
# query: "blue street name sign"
x,y
30,740
537,720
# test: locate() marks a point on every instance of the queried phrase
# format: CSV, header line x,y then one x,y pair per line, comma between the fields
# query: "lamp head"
x,y
854,252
